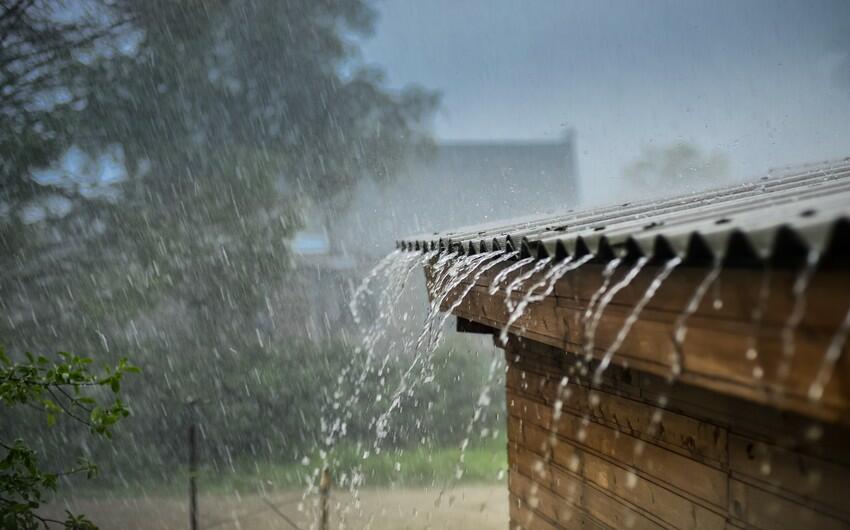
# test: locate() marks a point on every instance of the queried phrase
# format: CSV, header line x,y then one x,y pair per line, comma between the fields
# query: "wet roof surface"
x,y
777,218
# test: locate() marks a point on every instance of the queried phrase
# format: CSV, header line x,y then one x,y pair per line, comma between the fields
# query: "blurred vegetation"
x,y
272,418
681,165
484,461
224,124
64,389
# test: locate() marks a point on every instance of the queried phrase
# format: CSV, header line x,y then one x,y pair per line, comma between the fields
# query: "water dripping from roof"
x,y
455,274
478,264
789,331
606,299
607,274
752,353
363,288
552,276
680,329
520,280
830,359
393,271
634,314
497,281
499,259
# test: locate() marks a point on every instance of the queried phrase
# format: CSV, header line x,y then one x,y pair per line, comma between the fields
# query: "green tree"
x,y
64,388
41,45
231,118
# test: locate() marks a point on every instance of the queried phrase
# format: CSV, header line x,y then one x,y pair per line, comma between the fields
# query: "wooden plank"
x,y
541,500
590,459
670,508
586,510
739,291
713,356
523,518
703,441
661,464
813,481
520,512
762,509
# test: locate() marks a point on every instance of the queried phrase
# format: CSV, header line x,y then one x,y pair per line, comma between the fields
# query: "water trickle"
x,y
607,274
497,281
520,280
393,272
798,311
830,359
364,284
501,258
460,270
549,280
452,276
662,275
757,317
680,329
606,299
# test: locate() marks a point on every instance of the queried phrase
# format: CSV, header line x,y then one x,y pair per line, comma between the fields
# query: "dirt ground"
x,y
478,507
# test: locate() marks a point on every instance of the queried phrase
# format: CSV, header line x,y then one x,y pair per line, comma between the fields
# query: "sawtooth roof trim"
x,y
776,219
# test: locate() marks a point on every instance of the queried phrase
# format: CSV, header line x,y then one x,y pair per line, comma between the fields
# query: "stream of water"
x,y
452,277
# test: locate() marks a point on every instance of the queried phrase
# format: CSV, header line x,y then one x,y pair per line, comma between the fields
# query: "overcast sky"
x,y
760,81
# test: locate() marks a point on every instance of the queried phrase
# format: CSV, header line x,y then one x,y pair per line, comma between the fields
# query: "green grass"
x,y
484,461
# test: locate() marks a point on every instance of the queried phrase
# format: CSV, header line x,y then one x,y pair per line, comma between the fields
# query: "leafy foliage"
x,y
65,387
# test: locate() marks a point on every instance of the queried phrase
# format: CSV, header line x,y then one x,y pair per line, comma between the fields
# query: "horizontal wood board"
x,y
620,457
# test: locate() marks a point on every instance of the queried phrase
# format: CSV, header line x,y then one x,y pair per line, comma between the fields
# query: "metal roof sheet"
x,y
777,219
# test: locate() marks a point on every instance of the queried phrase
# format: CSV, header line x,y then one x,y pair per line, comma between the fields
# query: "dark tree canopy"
x,y
230,119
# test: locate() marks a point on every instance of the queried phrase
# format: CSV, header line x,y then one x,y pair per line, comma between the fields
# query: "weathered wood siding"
x,y
636,452
719,332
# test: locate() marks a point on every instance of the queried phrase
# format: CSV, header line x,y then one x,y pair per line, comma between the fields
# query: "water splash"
x,y
549,280
830,359
659,279
497,281
680,329
798,311
606,299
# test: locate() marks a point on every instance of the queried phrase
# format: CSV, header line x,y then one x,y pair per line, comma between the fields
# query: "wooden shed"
x,y
672,364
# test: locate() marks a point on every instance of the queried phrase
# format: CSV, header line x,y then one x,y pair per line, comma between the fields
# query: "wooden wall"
x,y
635,452
713,353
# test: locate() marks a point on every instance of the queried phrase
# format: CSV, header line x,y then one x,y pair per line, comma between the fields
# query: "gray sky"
x,y
756,80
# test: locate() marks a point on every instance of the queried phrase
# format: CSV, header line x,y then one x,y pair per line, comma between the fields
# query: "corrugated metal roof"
x,y
778,218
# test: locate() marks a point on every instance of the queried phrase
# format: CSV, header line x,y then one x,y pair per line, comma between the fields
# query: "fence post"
x,y
193,467
324,495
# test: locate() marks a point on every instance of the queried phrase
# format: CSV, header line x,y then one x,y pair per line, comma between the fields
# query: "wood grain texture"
x,y
719,333
611,456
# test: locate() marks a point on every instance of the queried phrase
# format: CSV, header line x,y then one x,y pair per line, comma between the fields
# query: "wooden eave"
x,y
719,332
